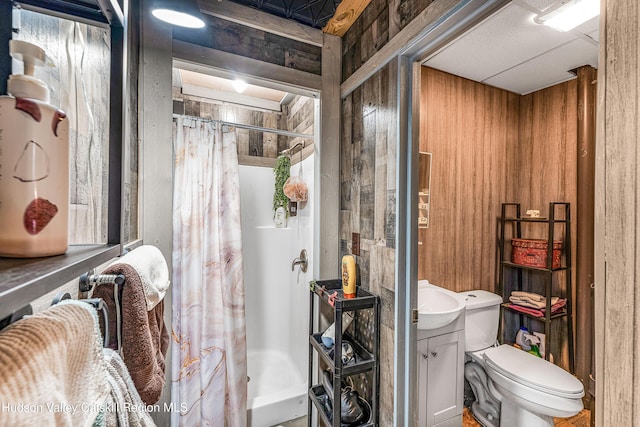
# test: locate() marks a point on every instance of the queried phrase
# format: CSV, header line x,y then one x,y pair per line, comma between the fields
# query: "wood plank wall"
x,y
492,146
617,227
256,147
489,146
85,99
368,204
377,25
249,42
470,129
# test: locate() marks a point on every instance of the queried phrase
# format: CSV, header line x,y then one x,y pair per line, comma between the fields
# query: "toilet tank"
x,y
482,313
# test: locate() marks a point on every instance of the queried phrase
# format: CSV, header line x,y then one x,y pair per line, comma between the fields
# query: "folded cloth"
x,y
530,295
123,407
559,305
526,302
52,368
152,268
144,336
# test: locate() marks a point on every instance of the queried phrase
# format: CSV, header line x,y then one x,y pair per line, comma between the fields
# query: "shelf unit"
x,y
559,214
330,292
23,280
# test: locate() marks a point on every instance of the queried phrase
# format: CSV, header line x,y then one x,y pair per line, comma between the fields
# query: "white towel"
x,y
123,407
52,369
152,268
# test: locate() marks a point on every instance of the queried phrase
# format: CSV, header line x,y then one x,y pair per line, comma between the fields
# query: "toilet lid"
x,y
532,371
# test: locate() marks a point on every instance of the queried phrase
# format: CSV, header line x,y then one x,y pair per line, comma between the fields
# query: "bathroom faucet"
x,y
301,261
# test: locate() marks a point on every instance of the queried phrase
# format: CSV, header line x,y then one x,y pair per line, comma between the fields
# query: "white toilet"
x,y
512,387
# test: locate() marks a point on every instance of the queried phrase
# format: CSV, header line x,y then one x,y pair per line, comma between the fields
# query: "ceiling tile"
x,y
547,69
503,41
540,5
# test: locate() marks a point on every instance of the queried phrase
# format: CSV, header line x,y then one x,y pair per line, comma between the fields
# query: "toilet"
x,y
512,387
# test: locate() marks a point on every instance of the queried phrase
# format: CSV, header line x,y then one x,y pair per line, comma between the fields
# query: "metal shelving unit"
x,y
330,293
559,214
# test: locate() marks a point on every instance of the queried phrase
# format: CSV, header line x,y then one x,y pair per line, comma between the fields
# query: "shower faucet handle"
x,y
301,261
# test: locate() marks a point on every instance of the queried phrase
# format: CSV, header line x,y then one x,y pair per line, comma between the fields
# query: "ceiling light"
x,y
571,14
184,13
239,85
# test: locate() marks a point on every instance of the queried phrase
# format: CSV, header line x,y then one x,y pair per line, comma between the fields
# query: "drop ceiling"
x,y
510,51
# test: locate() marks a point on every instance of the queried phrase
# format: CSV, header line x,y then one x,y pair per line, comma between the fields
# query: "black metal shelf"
x,y
330,293
315,393
556,315
23,280
534,219
528,267
365,359
559,213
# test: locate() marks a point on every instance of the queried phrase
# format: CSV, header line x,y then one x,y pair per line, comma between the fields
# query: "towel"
x,y
52,368
152,269
530,295
144,336
532,303
555,308
123,407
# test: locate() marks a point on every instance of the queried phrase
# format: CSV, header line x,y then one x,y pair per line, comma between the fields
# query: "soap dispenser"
x,y
34,164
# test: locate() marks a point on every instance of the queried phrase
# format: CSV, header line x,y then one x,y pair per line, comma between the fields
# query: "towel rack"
x,y
16,315
97,303
88,281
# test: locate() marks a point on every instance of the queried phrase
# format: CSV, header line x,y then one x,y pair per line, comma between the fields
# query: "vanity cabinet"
x,y
441,375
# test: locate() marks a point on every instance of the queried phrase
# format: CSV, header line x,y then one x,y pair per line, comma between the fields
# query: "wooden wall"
x,y
256,147
489,146
368,204
80,87
547,145
377,25
470,129
249,42
617,227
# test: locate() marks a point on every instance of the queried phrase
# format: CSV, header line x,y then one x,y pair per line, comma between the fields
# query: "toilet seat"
x,y
532,372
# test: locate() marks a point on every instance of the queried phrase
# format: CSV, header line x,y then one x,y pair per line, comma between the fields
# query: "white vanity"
x,y
440,356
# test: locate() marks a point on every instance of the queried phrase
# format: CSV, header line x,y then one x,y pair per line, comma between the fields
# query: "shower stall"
x,y
276,297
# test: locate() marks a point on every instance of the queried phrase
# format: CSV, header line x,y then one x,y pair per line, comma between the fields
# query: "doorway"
x,y
457,254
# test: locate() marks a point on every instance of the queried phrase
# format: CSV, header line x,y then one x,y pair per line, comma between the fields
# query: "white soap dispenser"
x,y
34,164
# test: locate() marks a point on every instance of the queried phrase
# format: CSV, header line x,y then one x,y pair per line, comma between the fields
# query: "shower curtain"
x,y
209,375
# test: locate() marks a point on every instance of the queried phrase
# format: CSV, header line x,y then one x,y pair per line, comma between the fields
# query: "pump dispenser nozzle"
x,y
25,85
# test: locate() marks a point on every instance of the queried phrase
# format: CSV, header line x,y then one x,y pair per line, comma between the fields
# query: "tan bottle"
x,y
349,276
34,164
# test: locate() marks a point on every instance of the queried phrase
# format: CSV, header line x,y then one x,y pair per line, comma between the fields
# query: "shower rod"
x,y
250,127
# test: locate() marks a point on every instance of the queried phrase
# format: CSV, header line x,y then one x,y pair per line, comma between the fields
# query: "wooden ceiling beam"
x,y
346,14
263,21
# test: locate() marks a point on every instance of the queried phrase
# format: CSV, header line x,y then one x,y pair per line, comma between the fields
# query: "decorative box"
x,y
533,252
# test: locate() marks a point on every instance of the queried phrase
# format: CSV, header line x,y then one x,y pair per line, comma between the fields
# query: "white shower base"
x,y
277,391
